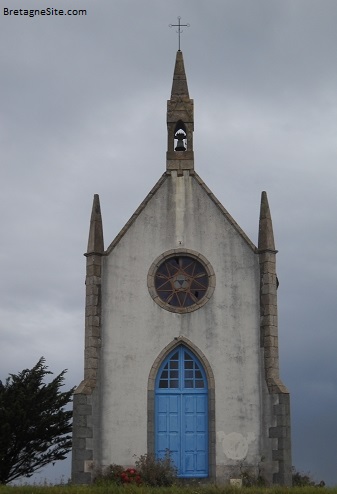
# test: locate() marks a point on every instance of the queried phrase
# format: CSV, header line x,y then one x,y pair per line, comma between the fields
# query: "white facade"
x,y
230,330
135,329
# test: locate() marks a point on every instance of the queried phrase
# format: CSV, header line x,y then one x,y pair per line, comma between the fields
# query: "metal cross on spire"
x,y
179,29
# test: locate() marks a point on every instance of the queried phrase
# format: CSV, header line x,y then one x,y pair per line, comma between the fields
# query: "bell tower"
x,y
180,122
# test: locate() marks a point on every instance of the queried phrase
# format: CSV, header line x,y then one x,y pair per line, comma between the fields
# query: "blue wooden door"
x,y
181,418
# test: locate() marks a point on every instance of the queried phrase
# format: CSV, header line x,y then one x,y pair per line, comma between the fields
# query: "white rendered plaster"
x,y
234,445
135,329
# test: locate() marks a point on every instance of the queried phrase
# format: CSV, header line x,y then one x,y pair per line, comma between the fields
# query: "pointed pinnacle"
x,y
179,85
266,235
96,242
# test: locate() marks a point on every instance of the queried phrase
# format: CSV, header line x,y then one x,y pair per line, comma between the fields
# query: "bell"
x,y
180,144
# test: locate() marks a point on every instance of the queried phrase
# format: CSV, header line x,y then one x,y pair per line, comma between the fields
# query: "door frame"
x,y
181,340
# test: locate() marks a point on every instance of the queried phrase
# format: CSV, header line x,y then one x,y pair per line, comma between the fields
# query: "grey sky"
x,y
82,111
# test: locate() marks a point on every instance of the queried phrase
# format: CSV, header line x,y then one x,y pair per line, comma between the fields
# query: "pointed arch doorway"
x,y
181,412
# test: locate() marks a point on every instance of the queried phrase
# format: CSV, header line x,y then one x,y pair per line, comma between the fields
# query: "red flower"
x,y
130,476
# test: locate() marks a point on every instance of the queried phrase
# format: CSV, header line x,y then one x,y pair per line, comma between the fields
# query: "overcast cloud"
x,y
82,111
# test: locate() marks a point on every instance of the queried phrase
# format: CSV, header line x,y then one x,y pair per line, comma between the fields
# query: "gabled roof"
x,y
155,189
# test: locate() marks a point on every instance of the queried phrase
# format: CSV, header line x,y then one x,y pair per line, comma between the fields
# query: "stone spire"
x,y
179,85
180,122
266,235
96,242
268,298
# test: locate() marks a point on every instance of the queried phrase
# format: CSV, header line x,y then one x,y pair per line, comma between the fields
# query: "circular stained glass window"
x,y
181,282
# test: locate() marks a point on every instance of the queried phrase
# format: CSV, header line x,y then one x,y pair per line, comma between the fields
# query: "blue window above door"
x,y
181,371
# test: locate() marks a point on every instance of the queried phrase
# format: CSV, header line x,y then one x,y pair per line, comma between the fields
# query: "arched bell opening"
x,y
180,136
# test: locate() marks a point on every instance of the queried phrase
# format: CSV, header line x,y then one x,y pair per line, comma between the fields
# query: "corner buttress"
x,y
278,422
83,416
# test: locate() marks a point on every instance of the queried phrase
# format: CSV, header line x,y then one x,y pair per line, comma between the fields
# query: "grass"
x,y
133,489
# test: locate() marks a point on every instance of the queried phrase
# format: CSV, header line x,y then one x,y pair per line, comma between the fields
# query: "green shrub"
x,y
251,480
301,479
108,475
252,477
156,472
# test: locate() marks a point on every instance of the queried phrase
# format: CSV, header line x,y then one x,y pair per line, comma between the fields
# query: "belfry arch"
x,y
180,136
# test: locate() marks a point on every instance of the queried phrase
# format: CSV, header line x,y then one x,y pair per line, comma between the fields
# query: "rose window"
x,y
181,281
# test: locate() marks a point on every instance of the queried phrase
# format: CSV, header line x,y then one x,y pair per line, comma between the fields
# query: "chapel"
x,y
181,332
